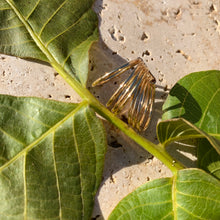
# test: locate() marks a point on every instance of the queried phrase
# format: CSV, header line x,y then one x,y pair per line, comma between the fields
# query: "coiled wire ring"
x,y
138,90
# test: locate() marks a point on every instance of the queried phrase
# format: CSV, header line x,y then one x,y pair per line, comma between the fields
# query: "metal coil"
x,y
137,92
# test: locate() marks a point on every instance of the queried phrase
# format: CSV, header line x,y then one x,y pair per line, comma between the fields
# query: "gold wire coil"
x,y
138,90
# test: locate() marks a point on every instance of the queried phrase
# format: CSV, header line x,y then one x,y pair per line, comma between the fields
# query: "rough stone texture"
x,y
173,37
24,78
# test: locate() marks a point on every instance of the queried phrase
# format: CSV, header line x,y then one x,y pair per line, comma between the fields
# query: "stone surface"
x,y
173,37
25,78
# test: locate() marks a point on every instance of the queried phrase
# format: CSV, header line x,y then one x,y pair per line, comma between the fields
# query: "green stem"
x,y
156,150
74,83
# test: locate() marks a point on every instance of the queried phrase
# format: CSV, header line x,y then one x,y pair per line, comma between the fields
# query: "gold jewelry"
x,y
138,90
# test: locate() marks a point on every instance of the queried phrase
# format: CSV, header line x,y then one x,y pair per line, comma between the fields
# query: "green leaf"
x,y
192,111
196,99
56,31
208,147
208,159
191,194
180,129
52,157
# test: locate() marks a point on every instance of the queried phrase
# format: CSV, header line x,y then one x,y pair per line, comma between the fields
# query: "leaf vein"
x,y
12,137
25,115
174,199
199,197
215,170
11,27
93,138
191,213
57,179
78,155
52,129
19,43
199,181
50,18
168,214
180,138
25,187
71,52
142,206
67,29
33,9
49,109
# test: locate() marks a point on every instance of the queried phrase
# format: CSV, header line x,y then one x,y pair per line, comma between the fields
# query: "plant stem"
x,y
74,83
156,150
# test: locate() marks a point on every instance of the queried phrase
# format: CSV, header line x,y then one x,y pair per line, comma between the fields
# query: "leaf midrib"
x,y
200,134
36,39
51,130
181,138
174,199
72,81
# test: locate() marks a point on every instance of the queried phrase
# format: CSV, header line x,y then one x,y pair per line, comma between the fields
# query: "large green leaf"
x,y
208,147
57,31
191,194
51,156
192,111
180,129
196,98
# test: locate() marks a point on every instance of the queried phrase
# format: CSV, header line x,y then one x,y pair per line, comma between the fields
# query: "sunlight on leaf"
x,y
180,129
196,99
191,111
59,32
208,148
191,194
52,157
